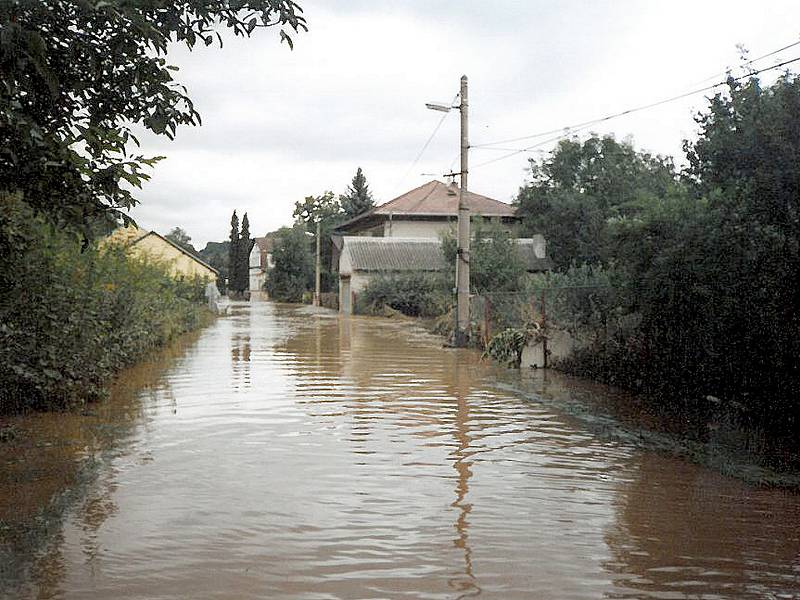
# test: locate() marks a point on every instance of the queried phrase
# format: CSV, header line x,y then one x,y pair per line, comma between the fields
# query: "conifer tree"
x,y
233,253
357,199
243,283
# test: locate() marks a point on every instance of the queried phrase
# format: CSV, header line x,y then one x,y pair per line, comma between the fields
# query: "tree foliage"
x,y
243,267
495,264
233,254
293,271
583,188
707,270
216,254
179,236
358,198
77,76
326,211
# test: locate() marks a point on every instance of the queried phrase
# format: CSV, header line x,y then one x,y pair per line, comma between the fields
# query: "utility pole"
x,y
316,276
462,259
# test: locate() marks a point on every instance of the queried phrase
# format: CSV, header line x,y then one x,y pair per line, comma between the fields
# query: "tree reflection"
x,y
682,527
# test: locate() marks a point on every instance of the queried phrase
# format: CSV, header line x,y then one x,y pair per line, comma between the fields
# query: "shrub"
x,y
293,271
70,319
413,294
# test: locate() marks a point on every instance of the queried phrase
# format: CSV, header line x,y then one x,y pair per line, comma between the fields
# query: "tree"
x,y
78,77
180,237
293,271
327,211
245,245
357,199
233,254
217,255
576,195
495,263
313,209
709,277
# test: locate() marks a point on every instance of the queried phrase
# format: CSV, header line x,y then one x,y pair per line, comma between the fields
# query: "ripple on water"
x,y
291,454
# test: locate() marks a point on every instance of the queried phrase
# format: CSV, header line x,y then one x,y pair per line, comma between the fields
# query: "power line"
x,y
751,61
425,146
636,109
570,130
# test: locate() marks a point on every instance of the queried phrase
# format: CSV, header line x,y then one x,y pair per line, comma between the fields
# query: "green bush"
x,y
293,272
413,294
70,319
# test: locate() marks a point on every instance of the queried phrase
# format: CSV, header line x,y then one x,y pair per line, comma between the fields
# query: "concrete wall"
x,y
350,286
560,344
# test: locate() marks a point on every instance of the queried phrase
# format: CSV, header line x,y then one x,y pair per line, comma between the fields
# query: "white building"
x,y
405,235
260,262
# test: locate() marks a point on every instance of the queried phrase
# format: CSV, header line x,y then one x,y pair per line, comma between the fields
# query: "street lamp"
x,y
439,107
462,259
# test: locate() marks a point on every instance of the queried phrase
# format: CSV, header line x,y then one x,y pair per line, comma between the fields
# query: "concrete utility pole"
x,y
316,276
462,260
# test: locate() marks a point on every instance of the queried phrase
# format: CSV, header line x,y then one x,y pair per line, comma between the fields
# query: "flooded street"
x,y
284,453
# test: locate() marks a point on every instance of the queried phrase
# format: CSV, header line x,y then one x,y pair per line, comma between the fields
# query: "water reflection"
x,y
462,465
289,453
687,531
58,468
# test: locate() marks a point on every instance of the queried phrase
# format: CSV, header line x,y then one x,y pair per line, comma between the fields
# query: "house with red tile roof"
x,y
425,212
405,234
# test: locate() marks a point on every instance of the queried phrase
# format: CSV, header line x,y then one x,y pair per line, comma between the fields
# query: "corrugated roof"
x,y
393,254
419,254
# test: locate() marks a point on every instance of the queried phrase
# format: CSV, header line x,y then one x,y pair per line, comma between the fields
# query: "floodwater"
x,y
287,453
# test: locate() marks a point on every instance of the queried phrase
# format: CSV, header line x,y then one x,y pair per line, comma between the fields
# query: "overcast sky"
x,y
279,125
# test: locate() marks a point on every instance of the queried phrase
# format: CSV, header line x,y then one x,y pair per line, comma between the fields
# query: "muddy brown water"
x,y
284,453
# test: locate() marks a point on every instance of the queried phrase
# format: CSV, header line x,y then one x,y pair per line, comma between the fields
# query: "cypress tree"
x,y
244,255
233,253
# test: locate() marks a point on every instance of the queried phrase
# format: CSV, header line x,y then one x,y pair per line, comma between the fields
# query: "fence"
x,y
569,315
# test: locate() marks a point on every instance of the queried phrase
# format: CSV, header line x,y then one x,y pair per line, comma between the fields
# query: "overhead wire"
x,y
425,146
635,109
750,62
572,129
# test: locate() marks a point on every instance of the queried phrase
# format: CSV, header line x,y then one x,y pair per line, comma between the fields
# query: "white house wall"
x,y
398,228
255,257
257,274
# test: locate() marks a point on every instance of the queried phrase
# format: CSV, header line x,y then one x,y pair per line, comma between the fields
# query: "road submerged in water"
x,y
286,452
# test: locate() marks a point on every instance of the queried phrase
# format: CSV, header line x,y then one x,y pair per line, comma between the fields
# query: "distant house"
x,y
361,258
151,245
260,262
425,212
404,235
